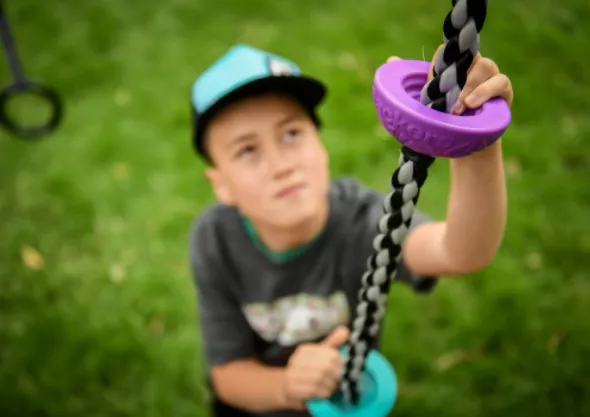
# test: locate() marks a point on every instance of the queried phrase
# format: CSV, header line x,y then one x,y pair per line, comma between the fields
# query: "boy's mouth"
x,y
291,190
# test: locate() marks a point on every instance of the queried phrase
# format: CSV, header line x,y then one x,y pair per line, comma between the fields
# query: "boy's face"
x,y
268,161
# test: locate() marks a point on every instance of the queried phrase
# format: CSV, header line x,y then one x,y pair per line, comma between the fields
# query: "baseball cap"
x,y
243,71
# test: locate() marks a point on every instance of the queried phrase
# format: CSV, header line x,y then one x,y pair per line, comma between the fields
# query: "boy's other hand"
x,y
314,369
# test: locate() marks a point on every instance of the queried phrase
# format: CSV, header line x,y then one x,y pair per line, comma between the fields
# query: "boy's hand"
x,y
314,370
484,82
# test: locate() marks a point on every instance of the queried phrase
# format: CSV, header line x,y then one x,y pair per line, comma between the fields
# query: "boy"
x,y
278,261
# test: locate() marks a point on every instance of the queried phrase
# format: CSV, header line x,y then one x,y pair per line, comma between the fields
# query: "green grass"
x,y
97,305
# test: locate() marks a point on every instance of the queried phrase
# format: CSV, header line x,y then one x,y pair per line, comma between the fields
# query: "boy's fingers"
x,y
481,71
393,58
475,78
330,385
337,338
497,86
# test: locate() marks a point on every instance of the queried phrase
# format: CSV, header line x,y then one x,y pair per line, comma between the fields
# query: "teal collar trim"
x,y
280,257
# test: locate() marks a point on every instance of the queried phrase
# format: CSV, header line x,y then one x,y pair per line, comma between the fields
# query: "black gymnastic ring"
x,y
44,92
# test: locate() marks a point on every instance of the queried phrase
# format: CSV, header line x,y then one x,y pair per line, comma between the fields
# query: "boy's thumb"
x,y
337,338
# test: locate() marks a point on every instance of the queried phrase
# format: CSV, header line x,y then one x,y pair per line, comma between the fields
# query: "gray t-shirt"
x,y
256,305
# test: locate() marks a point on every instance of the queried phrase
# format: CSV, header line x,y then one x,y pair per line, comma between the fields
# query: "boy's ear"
x,y
220,186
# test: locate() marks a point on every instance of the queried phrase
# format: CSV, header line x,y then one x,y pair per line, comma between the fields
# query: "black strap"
x,y
22,86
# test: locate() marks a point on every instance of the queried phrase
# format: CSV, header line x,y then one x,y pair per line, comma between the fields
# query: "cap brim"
x,y
308,91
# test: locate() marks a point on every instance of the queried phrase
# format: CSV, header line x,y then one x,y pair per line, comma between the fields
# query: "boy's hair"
x,y
244,71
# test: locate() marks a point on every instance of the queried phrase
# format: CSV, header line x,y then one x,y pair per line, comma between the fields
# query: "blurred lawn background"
x,y
97,308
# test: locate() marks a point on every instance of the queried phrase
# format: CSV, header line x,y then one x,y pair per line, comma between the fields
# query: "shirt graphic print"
x,y
297,318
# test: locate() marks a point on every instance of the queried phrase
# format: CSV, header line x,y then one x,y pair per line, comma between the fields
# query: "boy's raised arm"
x,y
476,215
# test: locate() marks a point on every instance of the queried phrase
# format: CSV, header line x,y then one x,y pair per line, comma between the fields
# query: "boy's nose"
x,y
280,164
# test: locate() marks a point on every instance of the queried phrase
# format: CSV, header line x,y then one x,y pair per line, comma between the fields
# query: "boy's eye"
x,y
245,151
292,134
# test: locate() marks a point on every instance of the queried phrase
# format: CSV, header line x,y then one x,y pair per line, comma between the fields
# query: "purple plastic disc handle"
x,y
396,95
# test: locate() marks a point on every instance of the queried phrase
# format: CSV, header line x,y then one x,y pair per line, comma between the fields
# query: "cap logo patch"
x,y
279,68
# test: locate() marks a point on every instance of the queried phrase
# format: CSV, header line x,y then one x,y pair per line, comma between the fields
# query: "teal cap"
x,y
243,71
